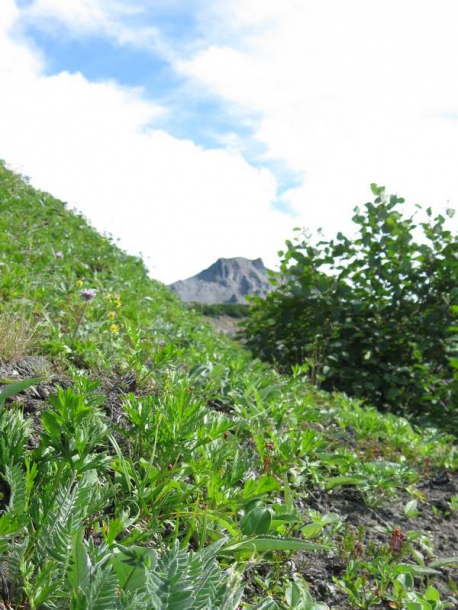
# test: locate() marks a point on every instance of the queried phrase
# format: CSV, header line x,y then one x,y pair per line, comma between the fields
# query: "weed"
x,y
17,335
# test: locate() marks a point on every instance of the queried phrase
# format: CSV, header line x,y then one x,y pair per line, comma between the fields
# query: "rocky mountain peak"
x,y
228,280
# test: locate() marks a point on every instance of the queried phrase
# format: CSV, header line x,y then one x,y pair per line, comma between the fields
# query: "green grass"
x,y
159,466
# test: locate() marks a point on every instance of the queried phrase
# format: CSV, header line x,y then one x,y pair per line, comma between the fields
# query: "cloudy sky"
x,y
192,129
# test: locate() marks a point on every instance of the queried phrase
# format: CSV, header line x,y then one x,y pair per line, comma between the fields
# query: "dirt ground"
x,y
434,519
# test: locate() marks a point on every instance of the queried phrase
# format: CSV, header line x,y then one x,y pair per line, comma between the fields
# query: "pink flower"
x,y
88,294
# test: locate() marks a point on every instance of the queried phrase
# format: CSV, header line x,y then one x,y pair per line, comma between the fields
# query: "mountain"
x,y
229,280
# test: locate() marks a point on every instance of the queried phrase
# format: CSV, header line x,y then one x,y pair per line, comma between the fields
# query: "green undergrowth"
x,y
148,462
233,310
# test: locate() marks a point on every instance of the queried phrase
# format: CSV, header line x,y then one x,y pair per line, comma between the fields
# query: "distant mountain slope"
x,y
229,280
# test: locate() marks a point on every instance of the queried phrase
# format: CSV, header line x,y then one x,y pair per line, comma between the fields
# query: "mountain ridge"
x,y
227,280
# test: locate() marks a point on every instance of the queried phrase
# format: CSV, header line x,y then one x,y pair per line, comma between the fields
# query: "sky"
x,y
191,130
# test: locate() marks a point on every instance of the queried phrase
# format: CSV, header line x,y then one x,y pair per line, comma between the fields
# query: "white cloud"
x,y
15,59
95,146
345,93
118,20
76,14
348,93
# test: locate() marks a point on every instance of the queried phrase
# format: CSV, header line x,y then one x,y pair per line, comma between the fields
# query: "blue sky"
x,y
213,129
99,57
194,113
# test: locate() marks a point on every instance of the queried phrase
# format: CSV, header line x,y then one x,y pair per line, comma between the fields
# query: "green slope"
x,y
153,464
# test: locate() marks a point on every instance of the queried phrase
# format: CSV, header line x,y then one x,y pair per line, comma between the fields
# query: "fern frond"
x,y
55,532
62,520
102,592
11,561
92,581
14,433
15,478
192,581
65,515
15,517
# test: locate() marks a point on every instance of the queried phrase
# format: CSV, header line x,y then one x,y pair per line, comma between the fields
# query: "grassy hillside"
x,y
149,463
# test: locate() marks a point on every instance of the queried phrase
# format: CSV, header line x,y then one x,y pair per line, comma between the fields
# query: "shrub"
x,y
369,316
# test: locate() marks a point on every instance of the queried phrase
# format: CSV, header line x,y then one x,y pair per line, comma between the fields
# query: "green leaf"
x,y
432,594
410,509
131,565
14,388
256,488
51,424
312,530
342,480
418,569
444,561
297,596
264,544
257,521
377,190
79,573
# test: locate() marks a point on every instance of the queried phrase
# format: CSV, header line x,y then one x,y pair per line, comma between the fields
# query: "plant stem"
x,y
80,319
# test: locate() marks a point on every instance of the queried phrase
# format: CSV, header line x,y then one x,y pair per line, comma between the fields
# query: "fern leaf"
x,y
16,480
15,517
102,592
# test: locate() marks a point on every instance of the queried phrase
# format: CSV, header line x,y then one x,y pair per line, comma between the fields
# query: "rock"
x,y
229,280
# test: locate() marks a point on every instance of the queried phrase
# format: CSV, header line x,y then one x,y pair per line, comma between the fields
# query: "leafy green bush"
x,y
369,316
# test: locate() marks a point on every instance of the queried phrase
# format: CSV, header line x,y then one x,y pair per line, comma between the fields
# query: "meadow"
x,y
148,462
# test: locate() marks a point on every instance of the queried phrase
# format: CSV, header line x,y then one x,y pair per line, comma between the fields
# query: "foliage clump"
x,y
370,316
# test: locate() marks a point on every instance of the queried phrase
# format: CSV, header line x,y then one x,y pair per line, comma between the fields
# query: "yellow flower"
x,y
79,283
114,328
112,315
118,303
108,297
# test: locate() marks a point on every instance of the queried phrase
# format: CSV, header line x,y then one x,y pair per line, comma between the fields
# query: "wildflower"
x,y
79,283
88,294
397,540
112,315
114,328
58,255
108,297
116,299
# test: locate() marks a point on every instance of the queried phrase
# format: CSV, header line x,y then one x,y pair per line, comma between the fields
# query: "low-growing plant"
x,y
74,431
